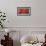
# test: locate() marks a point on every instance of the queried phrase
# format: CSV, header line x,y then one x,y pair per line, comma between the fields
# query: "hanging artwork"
x,y
23,11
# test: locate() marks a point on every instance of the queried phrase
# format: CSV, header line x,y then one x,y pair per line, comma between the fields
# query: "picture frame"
x,y
23,11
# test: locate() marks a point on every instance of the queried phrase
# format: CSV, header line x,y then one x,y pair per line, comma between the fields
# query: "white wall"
x,y
37,19
35,22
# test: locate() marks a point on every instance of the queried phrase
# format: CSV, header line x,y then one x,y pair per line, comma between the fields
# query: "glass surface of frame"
x,y
23,11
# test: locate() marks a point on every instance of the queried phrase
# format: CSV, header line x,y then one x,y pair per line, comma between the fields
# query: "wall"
x,y
35,22
37,19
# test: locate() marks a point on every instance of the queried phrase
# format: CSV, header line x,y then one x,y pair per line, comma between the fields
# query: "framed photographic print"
x,y
23,11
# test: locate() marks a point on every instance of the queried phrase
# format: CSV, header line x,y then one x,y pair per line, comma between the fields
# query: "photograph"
x,y
23,11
